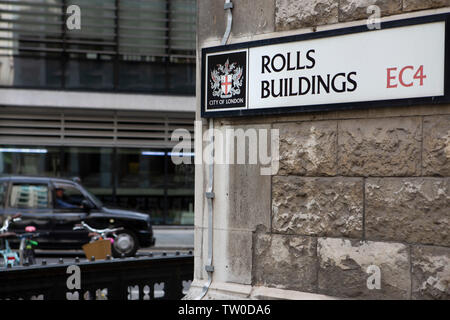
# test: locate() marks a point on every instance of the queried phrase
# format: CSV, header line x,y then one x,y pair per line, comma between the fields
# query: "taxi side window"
x,y
29,196
68,197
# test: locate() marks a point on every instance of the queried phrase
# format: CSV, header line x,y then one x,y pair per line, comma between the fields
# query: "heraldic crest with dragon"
x,y
226,80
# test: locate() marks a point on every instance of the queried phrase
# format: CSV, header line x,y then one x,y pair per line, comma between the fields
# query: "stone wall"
x,y
255,17
356,190
353,193
294,14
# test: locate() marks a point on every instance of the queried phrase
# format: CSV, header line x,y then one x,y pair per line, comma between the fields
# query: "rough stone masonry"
x,y
355,188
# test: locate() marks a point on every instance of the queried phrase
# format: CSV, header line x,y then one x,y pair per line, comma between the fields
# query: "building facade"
x,y
101,101
359,207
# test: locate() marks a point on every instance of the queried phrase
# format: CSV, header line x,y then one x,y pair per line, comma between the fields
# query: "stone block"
x,y
344,269
295,14
436,145
211,20
350,10
249,191
308,148
285,262
379,147
250,17
414,210
232,255
318,206
239,257
430,273
412,5
249,196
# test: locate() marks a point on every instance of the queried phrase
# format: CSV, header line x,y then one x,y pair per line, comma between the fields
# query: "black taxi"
x,y
55,205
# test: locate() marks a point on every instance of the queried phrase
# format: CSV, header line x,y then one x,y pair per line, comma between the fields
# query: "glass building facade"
x,y
123,46
136,179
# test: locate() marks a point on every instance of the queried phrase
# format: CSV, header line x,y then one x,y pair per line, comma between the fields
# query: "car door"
x,y
67,212
33,201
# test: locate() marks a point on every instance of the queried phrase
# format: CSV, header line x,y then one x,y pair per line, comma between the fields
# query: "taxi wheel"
x,y
125,244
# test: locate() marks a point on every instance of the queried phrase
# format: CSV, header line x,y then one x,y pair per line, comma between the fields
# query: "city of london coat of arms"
x,y
226,80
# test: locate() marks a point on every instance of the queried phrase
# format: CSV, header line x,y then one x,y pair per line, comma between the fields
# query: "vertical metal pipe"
x,y
210,196
210,192
228,6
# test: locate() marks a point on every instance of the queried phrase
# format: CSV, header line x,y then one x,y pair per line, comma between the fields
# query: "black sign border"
x,y
334,106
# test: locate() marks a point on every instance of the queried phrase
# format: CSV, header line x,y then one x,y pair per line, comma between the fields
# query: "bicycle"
x,y
26,250
99,246
98,234
8,257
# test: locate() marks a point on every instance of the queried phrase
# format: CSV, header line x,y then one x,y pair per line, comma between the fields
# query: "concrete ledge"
x,y
239,290
96,100
235,291
265,293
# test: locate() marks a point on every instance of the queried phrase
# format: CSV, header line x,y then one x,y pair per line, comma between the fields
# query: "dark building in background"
x,y
101,103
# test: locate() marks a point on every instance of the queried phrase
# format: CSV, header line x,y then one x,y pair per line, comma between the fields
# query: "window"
x,y
94,166
128,45
180,190
29,196
2,194
141,169
142,179
68,197
29,160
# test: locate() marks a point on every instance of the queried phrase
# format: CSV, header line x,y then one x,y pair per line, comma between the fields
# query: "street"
x,y
174,238
168,241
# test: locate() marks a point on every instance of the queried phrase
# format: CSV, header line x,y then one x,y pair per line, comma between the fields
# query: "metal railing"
x,y
144,278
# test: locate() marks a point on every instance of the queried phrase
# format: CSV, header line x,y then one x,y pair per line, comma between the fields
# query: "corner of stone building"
x,y
355,189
